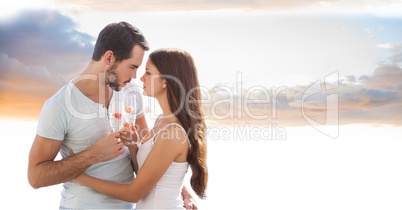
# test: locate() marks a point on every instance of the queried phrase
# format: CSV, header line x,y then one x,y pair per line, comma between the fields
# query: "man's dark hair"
x,y
120,38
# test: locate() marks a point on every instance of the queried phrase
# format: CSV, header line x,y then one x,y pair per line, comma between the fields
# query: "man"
x,y
76,119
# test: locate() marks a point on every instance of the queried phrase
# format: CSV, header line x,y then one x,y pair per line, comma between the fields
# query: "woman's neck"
x,y
168,116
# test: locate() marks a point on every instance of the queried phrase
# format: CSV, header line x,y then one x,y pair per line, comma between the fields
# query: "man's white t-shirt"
x,y
79,122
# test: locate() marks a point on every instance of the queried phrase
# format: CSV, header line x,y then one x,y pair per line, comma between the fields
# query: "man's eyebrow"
x,y
134,66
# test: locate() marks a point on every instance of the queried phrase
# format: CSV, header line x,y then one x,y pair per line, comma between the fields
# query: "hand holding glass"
x,y
130,109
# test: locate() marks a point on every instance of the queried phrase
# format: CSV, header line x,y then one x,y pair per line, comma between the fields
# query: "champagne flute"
x,y
115,114
130,108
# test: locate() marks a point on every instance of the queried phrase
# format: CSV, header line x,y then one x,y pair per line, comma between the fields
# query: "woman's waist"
x,y
163,196
163,192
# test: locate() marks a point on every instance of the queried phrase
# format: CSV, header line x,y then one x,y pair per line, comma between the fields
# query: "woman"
x,y
176,141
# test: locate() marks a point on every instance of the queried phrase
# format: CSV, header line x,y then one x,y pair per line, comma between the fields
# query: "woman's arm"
x,y
141,128
167,148
124,133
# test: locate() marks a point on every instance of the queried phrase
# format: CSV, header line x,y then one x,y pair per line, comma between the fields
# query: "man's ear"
x,y
108,57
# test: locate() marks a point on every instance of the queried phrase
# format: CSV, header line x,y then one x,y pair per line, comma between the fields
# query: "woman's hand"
x,y
128,131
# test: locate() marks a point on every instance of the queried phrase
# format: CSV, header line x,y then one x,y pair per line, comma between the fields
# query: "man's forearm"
x,y
44,171
55,172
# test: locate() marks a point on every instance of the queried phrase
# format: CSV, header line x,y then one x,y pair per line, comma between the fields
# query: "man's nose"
x,y
133,74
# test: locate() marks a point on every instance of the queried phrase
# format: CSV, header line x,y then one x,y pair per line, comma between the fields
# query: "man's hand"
x,y
187,199
188,204
107,148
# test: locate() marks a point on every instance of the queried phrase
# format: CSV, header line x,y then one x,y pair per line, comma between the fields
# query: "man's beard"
x,y
112,78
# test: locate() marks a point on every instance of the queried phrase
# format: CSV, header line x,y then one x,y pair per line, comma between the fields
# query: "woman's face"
x,y
154,83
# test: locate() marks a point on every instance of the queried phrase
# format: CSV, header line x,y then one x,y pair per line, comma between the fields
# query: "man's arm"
x,y
44,171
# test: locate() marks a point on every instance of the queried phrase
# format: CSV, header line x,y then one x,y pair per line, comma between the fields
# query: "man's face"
x,y
119,74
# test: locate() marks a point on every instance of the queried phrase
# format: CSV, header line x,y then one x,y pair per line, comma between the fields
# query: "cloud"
x,y
396,49
39,51
370,93
46,37
373,99
15,76
178,5
386,77
389,45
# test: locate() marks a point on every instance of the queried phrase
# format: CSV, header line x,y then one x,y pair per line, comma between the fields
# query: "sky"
x,y
293,61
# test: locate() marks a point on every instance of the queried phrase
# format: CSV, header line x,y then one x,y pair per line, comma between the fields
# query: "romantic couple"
x,y
97,170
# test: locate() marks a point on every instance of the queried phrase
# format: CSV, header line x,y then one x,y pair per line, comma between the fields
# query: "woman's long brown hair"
x,y
184,97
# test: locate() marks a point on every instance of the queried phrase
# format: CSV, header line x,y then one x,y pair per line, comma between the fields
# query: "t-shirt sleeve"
x,y
52,121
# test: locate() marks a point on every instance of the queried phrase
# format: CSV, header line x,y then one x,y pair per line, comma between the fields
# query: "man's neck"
x,y
93,86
